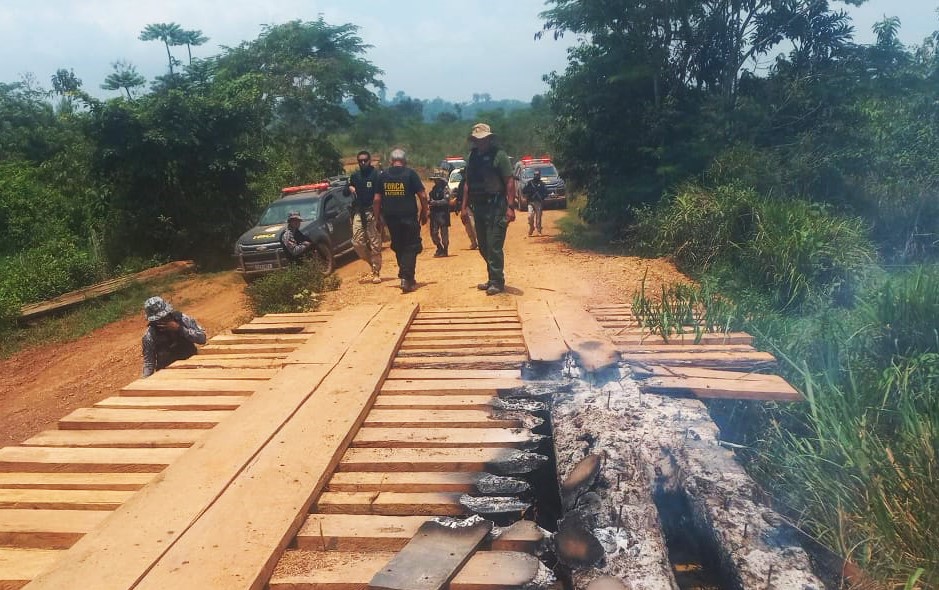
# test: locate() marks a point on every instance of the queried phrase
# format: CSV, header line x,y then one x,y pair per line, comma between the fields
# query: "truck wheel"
x,y
325,255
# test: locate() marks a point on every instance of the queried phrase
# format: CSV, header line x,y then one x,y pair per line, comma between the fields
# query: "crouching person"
x,y
170,336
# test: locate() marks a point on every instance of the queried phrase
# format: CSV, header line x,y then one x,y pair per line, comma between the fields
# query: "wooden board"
x,y
541,333
458,374
252,349
468,309
172,438
666,371
423,459
19,566
175,373
725,360
177,402
437,419
491,328
118,419
769,388
214,362
253,328
466,321
391,503
192,386
434,402
116,554
431,558
75,481
288,473
350,532
47,529
486,570
27,499
397,481
81,460
229,339
651,348
683,339
589,343
460,350
463,363
458,343
442,437
448,386
513,335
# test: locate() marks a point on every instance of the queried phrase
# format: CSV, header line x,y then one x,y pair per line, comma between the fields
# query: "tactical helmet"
x,y
398,155
156,308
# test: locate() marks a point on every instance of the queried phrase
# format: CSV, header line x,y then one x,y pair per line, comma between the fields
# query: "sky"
x,y
426,48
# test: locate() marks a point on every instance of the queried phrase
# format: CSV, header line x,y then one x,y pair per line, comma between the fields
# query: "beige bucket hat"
x,y
481,131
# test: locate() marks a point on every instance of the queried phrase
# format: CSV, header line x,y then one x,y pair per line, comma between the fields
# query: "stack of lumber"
x,y
706,365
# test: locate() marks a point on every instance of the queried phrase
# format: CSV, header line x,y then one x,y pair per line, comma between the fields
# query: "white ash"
x,y
494,504
458,523
498,484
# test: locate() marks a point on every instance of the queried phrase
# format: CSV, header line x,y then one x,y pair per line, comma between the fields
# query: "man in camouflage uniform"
x,y
295,243
440,216
170,336
488,193
366,239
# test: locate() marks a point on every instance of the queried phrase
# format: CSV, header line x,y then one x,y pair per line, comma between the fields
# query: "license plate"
x,y
262,266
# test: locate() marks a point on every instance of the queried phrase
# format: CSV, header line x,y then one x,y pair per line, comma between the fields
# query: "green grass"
x,y
79,321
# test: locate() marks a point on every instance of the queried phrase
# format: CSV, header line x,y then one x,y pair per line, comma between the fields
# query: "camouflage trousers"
x,y
491,226
366,240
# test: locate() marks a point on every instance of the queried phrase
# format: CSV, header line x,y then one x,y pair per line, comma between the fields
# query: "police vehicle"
x,y
325,208
525,170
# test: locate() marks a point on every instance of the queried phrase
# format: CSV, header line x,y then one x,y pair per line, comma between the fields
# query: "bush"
x,y
46,271
295,289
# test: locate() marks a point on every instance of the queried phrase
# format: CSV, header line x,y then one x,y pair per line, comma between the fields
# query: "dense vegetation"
x,y
795,194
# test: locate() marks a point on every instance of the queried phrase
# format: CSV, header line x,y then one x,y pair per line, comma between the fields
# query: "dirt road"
x,y
40,385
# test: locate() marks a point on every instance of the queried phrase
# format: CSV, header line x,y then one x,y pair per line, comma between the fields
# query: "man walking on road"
x,y
366,239
488,191
536,191
440,216
395,202
170,336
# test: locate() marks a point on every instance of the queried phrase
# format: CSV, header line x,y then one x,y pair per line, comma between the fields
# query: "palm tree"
x,y
124,76
192,39
168,33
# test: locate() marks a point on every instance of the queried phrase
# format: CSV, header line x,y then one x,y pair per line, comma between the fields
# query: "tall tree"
x,y
169,33
192,39
124,77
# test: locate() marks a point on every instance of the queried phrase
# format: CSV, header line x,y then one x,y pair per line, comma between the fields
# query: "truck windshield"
x,y
278,211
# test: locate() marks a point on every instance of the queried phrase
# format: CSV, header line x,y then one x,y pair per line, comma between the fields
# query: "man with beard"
x,y
366,239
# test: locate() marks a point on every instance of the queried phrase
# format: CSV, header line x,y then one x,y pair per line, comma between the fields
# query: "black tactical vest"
x,y
482,175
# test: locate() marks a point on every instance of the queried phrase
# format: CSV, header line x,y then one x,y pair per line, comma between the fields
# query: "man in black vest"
x,y
366,239
488,192
395,203
536,191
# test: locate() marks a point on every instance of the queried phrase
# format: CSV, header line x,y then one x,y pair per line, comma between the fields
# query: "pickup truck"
x,y
325,209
